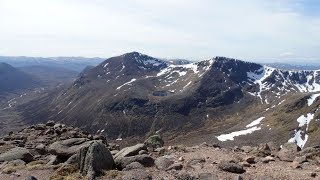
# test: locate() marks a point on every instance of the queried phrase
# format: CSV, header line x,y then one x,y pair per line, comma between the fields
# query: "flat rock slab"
x,y
143,159
17,153
130,151
68,147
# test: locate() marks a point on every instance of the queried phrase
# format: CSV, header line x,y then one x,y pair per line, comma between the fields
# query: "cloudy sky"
x,y
277,30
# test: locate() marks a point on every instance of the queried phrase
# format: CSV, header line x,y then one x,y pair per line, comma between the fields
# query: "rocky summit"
x,y
57,152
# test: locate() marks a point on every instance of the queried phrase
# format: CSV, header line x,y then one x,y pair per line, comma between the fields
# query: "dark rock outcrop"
x,y
231,167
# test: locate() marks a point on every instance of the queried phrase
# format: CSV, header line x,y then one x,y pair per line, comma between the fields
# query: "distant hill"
x,y
12,79
50,76
71,63
294,66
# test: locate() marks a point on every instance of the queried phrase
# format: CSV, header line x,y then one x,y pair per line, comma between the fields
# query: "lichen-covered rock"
x,y
95,158
154,141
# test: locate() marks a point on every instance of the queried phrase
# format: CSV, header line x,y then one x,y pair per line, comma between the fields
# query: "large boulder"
x,y
143,159
288,152
154,141
17,153
94,159
130,151
67,148
163,162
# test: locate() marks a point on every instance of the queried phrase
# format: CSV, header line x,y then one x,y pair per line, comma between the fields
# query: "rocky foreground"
x,y
57,152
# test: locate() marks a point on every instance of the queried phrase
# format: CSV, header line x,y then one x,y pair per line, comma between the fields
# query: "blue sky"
x,y
256,30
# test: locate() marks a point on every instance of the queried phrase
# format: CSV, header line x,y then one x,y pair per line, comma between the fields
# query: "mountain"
x,y
13,80
222,100
71,63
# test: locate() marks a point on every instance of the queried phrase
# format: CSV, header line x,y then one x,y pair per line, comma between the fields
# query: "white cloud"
x,y
286,54
248,29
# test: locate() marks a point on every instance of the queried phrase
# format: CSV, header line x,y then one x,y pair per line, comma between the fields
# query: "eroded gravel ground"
x,y
23,174
273,170
206,161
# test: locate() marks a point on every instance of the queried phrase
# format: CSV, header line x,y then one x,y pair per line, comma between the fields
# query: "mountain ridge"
x,y
134,95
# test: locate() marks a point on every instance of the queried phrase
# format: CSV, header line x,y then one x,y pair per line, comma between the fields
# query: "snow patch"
x,y
127,83
305,120
187,84
183,72
258,76
281,102
312,98
255,122
230,136
298,139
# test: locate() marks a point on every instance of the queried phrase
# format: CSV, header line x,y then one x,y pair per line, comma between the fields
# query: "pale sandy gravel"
x,y
274,170
22,174
259,171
